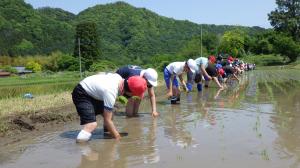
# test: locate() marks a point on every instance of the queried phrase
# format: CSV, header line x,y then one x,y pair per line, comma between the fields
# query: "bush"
x,y
68,62
103,65
8,68
34,66
52,62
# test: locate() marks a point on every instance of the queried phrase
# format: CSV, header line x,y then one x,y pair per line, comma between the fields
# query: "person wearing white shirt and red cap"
x,y
97,94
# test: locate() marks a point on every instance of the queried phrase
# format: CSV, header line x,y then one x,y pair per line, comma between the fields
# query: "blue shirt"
x,y
129,71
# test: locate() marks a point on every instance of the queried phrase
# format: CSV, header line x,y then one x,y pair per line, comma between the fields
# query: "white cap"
x,y
151,75
192,65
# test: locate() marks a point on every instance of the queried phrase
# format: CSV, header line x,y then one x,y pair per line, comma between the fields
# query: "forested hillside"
x,y
125,32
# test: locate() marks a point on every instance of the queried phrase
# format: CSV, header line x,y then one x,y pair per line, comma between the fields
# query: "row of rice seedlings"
x,y
264,154
270,90
293,84
279,88
257,129
257,89
263,96
257,126
265,78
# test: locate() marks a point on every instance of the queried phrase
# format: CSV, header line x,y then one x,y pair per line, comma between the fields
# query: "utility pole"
x,y
79,58
201,40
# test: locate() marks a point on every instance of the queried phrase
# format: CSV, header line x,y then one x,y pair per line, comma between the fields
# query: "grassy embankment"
x,y
50,91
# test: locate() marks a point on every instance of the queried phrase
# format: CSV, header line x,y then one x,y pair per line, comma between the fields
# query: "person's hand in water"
x,y
155,114
169,94
218,92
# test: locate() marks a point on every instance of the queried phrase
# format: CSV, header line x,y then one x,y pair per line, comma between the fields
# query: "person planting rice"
x,y
229,73
221,75
177,69
202,64
212,71
229,61
97,95
150,75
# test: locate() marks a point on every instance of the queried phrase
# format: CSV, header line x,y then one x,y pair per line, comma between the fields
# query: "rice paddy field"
x,y
255,123
37,84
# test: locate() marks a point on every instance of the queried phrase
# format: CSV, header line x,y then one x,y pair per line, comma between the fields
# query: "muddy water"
x,y
255,124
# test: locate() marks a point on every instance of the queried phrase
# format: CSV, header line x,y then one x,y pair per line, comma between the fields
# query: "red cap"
x,y
221,71
212,59
137,86
230,58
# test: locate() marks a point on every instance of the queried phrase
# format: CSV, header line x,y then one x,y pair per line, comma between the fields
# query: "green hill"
x,y
126,32
24,30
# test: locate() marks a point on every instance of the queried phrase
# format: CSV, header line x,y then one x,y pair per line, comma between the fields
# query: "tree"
x,y
86,32
232,42
286,18
210,41
192,49
286,46
24,48
67,62
34,66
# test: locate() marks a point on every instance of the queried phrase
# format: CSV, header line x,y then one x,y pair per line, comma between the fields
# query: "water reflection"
x,y
287,121
139,149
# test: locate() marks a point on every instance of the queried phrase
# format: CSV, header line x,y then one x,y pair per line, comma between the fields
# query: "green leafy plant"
x,y
34,66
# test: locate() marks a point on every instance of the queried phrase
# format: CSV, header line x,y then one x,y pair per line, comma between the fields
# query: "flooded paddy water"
x,y
254,124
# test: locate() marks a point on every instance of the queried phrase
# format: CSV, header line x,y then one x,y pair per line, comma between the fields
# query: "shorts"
x,y
86,106
190,77
228,75
206,78
167,76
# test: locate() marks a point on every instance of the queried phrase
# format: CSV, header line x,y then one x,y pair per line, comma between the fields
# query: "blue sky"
x,y
219,12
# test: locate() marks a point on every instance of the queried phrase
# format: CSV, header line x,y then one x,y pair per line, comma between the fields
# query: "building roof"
x,y
22,69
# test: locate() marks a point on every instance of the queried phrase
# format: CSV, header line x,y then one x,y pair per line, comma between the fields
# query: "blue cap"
x,y
218,66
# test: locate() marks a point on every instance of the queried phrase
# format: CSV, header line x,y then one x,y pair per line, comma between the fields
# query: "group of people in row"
x,y
97,94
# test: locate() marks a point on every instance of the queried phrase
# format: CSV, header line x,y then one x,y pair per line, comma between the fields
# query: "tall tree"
x,y
232,42
286,46
89,43
286,17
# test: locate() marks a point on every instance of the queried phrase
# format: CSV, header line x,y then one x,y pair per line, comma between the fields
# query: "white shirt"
x,y
200,61
176,67
103,87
